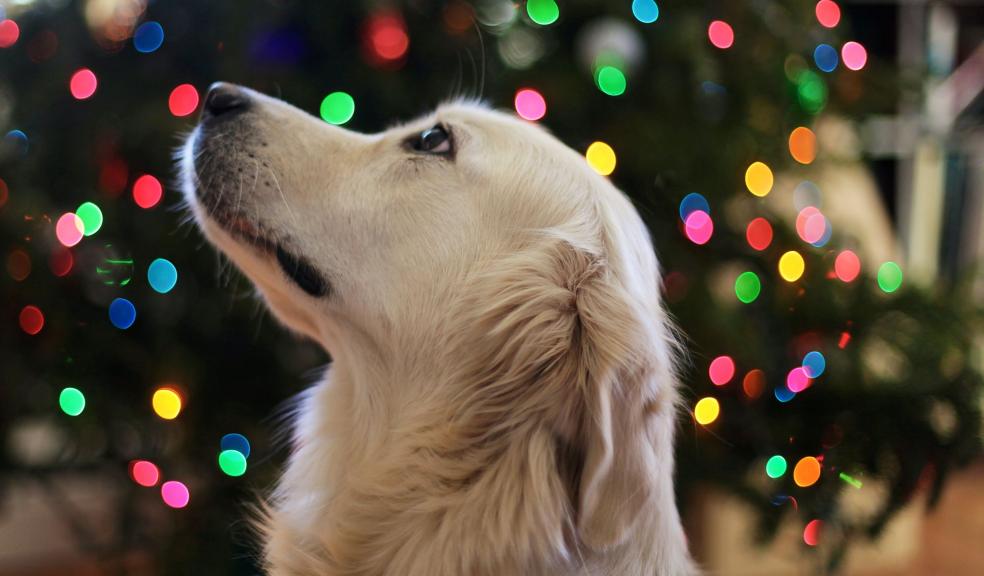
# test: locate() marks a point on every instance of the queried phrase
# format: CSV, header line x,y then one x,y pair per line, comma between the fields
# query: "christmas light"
x,y
234,441
31,319
847,266
699,227
850,480
811,224
122,313
18,265
854,55
721,370
543,12
386,37
337,108
811,91
814,364
148,37
91,216
825,57
232,462
71,401
803,145
797,380
759,234
828,13
601,158
783,394
162,275
61,261
747,287
175,494
144,473
758,179
17,140
147,191
791,266
811,534
69,229
691,203
183,100
166,403
807,472
775,467
610,80
706,411
889,277
530,104
9,33
645,11
720,34
83,84
753,384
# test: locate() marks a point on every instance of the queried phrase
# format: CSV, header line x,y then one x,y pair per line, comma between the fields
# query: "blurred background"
x,y
812,173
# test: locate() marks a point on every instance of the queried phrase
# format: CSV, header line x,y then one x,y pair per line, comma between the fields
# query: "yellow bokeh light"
x,y
166,403
807,472
601,158
758,179
707,411
791,266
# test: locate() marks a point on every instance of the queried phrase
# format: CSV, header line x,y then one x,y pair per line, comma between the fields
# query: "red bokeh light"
x,y
83,84
61,261
9,33
828,13
183,100
144,473
4,193
31,320
19,265
847,266
759,234
721,370
721,34
147,191
811,534
385,38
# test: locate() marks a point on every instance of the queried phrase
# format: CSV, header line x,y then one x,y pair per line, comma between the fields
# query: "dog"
x,y
502,395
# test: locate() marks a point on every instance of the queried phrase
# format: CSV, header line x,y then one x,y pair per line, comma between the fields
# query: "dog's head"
x,y
468,238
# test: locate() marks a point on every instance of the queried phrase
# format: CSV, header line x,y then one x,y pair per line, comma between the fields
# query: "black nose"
x,y
224,99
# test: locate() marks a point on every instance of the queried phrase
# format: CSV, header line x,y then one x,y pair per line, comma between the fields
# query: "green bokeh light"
x,y
232,462
610,80
337,108
543,12
889,277
91,216
748,287
776,466
812,91
71,401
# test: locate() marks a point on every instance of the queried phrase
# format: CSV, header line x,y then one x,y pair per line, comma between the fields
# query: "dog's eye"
x,y
436,140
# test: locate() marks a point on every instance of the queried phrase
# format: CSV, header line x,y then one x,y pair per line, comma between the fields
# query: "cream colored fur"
x,y
502,394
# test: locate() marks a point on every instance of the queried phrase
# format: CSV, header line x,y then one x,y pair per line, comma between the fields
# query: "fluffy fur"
x,y
502,393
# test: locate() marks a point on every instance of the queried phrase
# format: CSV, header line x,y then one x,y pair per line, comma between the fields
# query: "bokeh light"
x,y
31,319
826,233
807,472
707,410
791,266
814,364
854,55
18,265
889,277
783,394
806,194
775,466
122,313
4,193
91,216
699,227
748,286
175,494
234,441
61,261
71,401
543,12
828,13
610,80
721,370
337,108
148,37
721,34
811,91
803,145
386,37
811,224
759,179
9,33
645,11
69,229
825,57
145,473
17,140
162,275
147,191
183,100
759,234
601,158
797,380
166,403
83,84
847,266
753,384
530,104
232,462
691,203
811,533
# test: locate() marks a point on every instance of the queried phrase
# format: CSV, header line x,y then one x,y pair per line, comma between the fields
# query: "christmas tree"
x,y
135,356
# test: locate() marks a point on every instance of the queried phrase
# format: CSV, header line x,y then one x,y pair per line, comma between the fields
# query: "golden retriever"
x,y
502,394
